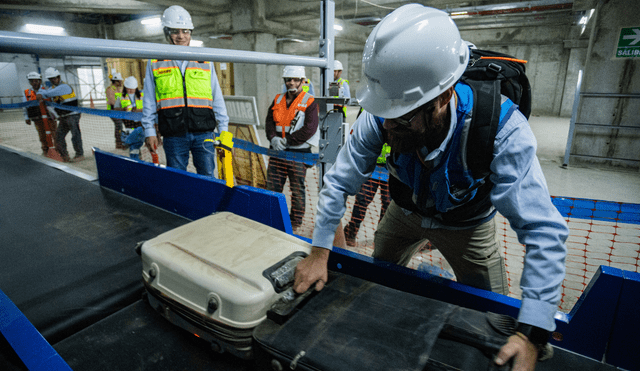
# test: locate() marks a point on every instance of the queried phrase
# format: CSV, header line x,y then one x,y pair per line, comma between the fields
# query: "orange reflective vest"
x,y
283,115
33,112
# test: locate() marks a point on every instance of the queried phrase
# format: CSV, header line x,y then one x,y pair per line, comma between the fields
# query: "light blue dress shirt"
x,y
520,194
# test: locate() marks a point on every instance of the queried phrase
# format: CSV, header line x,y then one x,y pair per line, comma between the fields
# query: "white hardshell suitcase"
x,y
218,276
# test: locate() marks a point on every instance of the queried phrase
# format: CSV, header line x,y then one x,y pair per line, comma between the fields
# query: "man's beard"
x,y
406,141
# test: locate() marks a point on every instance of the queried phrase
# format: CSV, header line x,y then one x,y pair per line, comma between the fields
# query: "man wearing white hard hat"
x,y
33,113
343,85
113,93
185,99
69,121
291,125
413,100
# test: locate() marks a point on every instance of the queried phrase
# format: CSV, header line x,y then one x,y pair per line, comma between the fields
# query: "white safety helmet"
x,y
294,71
131,83
176,16
337,66
34,76
412,56
117,76
51,73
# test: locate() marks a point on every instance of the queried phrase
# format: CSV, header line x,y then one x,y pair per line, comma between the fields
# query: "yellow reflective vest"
x,y
117,95
125,102
184,104
67,100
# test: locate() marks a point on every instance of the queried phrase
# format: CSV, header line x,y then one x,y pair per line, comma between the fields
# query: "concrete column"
x,y
258,80
249,33
606,74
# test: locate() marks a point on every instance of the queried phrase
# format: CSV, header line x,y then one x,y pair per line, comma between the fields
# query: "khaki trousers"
x,y
472,253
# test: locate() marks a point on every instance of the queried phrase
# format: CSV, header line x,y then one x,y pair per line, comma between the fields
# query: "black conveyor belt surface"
x,y
67,254
138,338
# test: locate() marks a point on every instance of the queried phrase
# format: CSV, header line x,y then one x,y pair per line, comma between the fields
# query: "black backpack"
x,y
490,74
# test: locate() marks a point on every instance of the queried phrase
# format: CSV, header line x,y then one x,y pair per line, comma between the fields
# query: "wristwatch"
x,y
537,336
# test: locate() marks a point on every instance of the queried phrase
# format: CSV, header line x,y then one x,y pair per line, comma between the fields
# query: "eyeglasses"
x,y
295,79
427,109
177,31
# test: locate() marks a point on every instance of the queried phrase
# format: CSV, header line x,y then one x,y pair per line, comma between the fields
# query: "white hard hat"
x,y
412,56
51,72
131,83
117,76
34,76
337,66
176,16
293,71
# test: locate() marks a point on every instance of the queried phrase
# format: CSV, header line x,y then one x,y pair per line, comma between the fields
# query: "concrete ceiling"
x,y
294,22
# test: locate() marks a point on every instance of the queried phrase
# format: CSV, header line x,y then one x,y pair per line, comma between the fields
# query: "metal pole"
x,y
572,124
18,42
327,38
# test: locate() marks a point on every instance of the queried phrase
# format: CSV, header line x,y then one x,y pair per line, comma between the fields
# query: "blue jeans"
x,y
177,150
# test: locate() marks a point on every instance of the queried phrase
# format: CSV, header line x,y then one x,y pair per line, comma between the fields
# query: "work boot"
x,y
78,158
350,233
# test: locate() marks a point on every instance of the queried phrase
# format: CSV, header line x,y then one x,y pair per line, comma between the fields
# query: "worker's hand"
x,y
152,143
39,97
278,143
28,122
312,270
523,352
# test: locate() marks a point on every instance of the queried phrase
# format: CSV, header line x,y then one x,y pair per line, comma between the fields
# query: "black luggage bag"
x,y
354,324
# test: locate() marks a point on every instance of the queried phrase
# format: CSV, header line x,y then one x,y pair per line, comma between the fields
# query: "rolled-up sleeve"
x,y
520,194
355,163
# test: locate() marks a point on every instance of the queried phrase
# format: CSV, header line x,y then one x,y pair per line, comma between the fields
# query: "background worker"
x,y
364,198
344,85
184,122
113,93
307,87
411,82
34,114
69,121
131,101
291,125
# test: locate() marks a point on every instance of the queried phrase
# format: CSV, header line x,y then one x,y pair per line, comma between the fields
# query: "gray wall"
x,y
606,74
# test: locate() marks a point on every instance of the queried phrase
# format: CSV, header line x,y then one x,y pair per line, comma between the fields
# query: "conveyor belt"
x,y
67,261
138,338
67,254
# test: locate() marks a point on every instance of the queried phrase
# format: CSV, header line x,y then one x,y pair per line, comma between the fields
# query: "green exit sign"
x,y
629,43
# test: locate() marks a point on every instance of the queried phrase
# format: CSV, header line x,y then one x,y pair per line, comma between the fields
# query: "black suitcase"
x,y
354,324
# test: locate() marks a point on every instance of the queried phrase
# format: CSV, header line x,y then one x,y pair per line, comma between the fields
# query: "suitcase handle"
x,y
288,305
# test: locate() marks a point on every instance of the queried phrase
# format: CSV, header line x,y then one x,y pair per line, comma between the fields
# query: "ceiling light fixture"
x,y
337,27
151,21
45,30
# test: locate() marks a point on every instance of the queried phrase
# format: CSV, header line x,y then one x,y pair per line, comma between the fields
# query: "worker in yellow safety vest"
x,y
186,100
34,114
69,121
113,93
344,87
130,101
291,125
